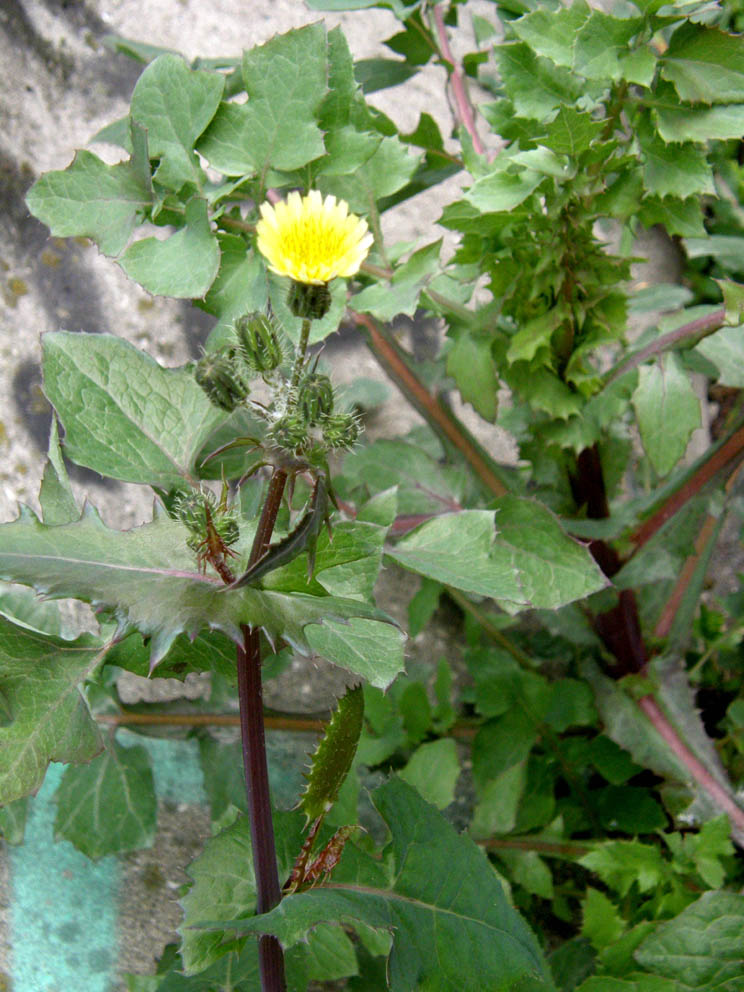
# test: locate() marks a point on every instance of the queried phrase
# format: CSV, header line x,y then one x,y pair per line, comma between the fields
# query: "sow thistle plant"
x,y
601,807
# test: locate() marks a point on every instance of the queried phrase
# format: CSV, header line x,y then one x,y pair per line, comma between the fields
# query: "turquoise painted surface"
x,y
63,916
63,908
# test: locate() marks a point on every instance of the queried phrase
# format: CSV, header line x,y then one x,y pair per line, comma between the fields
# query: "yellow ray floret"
x,y
312,240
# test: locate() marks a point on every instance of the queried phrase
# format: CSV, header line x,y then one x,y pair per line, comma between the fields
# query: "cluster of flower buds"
x,y
256,349
300,418
315,397
309,420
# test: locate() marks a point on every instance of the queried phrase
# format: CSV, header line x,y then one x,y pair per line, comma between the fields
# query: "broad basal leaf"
x,y
667,409
40,679
522,558
109,805
148,577
124,415
452,928
93,200
175,104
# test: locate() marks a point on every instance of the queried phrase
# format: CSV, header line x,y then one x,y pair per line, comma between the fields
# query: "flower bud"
x,y
199,511
258,342
341,430
289,433
220,378
309,300
315,397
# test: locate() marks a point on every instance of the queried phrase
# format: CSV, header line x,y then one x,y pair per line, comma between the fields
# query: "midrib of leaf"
x,y
388,895
113,566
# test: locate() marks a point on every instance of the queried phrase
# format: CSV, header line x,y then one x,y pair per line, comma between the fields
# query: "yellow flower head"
x,y
312,240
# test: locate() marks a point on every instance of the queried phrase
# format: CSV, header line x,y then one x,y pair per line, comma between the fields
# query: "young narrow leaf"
x,y
334,754
109,805
303,538
57,502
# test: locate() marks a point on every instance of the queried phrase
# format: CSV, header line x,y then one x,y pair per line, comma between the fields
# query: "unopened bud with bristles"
x,y
315,397
222,380
341,430
289,432
258,342
199,510
309,300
